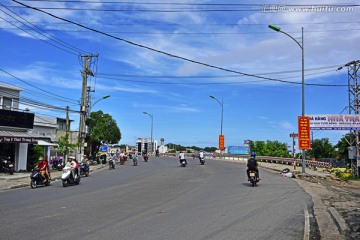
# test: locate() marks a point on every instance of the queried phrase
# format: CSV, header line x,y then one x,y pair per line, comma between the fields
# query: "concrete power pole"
x,y
354,108
83,108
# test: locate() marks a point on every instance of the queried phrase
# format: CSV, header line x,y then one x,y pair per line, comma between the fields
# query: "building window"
x,y
7,103
61,125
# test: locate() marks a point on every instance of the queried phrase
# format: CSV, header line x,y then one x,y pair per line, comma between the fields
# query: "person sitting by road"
x,y
43,168
182,157
252,164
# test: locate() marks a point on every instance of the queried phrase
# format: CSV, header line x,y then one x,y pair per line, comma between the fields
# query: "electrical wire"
x,y
44,34
159,51
52,93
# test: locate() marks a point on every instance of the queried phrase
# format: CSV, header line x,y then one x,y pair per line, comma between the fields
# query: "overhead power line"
x,y
159,51
51,93
63,45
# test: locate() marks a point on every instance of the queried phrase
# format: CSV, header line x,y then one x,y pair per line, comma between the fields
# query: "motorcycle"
x,y
37,179
6,166
145,157
183,162
111,164
202,160
68,179
122,160
135,161
253,178
84,169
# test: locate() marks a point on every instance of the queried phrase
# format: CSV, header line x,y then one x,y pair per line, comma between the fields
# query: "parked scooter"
x,y
84,169
253,178
68,179
37,179
6,165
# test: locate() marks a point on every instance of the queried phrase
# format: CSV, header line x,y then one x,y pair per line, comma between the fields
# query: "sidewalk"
x,y
18,180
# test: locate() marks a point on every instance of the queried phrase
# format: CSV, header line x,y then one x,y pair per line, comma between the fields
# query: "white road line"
x,y
307,224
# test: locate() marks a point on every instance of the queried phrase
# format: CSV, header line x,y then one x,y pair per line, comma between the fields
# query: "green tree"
x,y
101,127
65,147
269,148
36,151
210,149
277,149
322,148
344,143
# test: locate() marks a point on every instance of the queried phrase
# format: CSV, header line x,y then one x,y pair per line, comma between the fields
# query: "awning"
x,y
43,143
7,136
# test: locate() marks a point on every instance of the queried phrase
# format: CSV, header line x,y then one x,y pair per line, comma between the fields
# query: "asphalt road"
x,y
159,200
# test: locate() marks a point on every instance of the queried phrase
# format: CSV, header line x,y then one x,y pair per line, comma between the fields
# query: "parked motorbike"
x,y
111,164
253,178
84,169
37,180
67,178
6,165
183,162
202,160
59,166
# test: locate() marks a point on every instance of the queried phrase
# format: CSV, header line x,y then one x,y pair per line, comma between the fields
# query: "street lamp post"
x,y
278,29
222,113
104,97
152,122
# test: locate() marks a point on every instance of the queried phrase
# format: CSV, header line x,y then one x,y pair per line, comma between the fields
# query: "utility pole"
x,y
354,91
67,120
84,106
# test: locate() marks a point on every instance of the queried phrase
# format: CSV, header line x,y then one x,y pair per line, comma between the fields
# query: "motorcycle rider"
x,y
252,164
72,164
201,154
182,157
43,168
112,158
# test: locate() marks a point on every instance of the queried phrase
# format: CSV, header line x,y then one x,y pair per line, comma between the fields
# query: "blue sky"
x,y
41,54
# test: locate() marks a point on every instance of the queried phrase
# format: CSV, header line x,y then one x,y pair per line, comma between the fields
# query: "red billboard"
x,y
304,132
221,142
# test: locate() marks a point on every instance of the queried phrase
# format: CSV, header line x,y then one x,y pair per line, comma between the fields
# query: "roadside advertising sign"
x,y
304,132
294,135
103,149
334,122
238,150
221,142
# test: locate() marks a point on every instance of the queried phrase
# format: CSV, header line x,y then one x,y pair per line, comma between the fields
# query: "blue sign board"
x,y
244,150
103,148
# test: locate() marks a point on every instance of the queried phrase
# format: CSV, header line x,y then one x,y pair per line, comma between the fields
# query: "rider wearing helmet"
x,y
43,168
182,157
252,164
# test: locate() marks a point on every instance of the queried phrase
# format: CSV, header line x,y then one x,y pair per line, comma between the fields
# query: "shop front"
x,y
14,136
